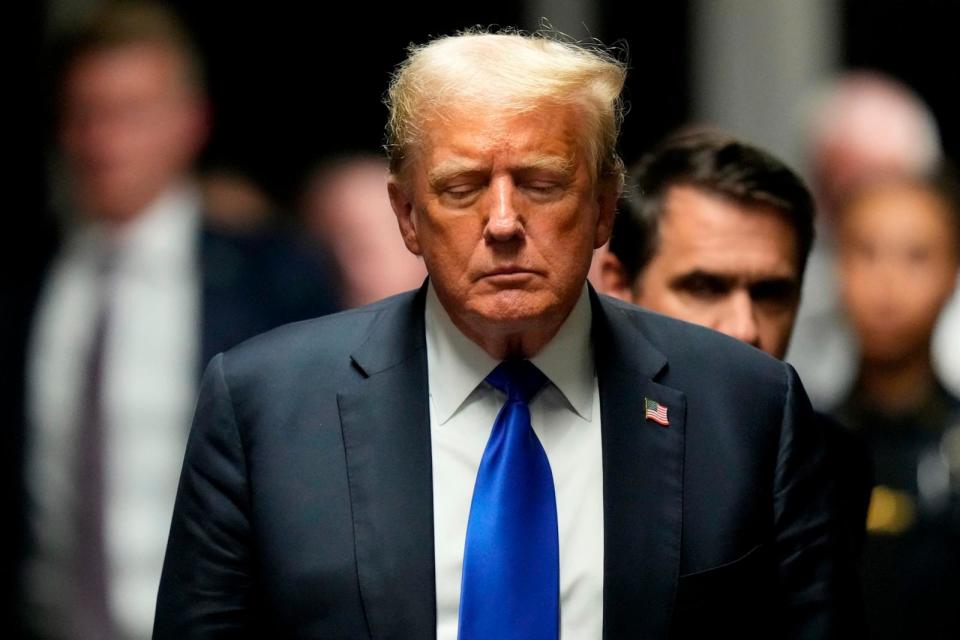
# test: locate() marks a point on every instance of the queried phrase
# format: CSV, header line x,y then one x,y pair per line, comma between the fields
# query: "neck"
x,y
513,338
507,345
897,387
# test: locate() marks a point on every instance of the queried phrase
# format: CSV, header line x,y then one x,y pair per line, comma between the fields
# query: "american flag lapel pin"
x,y
655,411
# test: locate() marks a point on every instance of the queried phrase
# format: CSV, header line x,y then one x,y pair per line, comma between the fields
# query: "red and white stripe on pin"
x,y
656,412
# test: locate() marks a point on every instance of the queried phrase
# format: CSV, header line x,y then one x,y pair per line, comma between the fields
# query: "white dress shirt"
x,y
566,418
149,386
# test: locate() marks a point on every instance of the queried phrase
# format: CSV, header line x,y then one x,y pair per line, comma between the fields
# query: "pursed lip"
x,y
508,270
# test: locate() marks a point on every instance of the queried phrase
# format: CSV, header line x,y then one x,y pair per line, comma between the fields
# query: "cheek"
x,y
777,323
652,295
923,288
448,247
858,283
926,300
567,244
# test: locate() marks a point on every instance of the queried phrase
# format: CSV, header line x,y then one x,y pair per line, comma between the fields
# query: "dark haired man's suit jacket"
x,y
305,504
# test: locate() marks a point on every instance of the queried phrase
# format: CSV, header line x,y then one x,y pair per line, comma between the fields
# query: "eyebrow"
x,y
451,169
557,164
457,167
729,281
698,275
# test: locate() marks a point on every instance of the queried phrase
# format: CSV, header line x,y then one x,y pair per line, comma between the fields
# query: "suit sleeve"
x,y
206,584
818,584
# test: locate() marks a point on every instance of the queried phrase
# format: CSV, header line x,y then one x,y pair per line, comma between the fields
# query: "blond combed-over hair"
x,y
509,71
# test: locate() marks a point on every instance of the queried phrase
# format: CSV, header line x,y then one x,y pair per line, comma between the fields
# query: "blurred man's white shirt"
x,y
149,386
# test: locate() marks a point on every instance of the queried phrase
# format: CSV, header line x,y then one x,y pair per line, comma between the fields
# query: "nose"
x,y
739,319
503,221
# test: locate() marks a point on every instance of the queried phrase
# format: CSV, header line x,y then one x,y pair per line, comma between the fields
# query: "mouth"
x,y
507,276
507,271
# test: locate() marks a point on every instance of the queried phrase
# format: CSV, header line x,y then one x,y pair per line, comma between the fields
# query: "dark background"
x,y
290,85
293,82
917,42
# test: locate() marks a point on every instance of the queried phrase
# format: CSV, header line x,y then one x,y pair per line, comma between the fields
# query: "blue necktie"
x,y
511,560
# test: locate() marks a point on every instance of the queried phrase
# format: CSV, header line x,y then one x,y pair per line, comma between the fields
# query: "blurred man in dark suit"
x,y
140,293
503,453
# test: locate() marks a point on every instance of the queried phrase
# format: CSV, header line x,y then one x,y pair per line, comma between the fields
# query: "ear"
x,y
613,277
607,197
403,207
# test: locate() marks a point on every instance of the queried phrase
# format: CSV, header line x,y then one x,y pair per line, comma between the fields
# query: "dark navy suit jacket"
x,y
305,504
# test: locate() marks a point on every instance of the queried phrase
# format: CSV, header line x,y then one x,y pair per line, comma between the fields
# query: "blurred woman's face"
x,y
897,268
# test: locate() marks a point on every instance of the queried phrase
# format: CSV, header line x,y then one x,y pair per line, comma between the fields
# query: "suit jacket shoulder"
x,y
305,498
744,496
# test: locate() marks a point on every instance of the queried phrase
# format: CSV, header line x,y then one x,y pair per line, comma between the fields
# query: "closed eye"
x,y
543,189
460,190
460,194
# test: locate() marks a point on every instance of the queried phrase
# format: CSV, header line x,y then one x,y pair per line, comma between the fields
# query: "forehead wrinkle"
x,y
545,162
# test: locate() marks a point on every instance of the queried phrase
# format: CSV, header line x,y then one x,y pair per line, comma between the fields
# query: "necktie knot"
x,y
519,379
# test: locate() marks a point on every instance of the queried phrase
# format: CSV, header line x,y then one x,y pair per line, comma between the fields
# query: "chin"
x,y
515,310
886,350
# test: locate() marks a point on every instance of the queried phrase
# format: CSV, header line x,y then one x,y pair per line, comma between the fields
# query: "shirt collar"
x,y
158,240
456,365
567,360
164,234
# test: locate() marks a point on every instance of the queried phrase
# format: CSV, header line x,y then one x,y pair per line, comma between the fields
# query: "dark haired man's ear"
x,y
613,277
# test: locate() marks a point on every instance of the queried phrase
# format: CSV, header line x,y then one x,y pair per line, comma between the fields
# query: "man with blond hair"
x,y
502,453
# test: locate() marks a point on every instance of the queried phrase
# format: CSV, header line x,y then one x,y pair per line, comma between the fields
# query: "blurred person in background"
x,y
898,256
862,125
345,208
140,294
716,232
233,201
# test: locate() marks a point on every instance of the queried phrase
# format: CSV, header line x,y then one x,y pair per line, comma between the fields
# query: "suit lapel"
x,y
386,432
385,422
642,479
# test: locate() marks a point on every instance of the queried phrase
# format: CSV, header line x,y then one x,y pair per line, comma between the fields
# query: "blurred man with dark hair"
x,y
717,232
714,232
899,252
142,291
